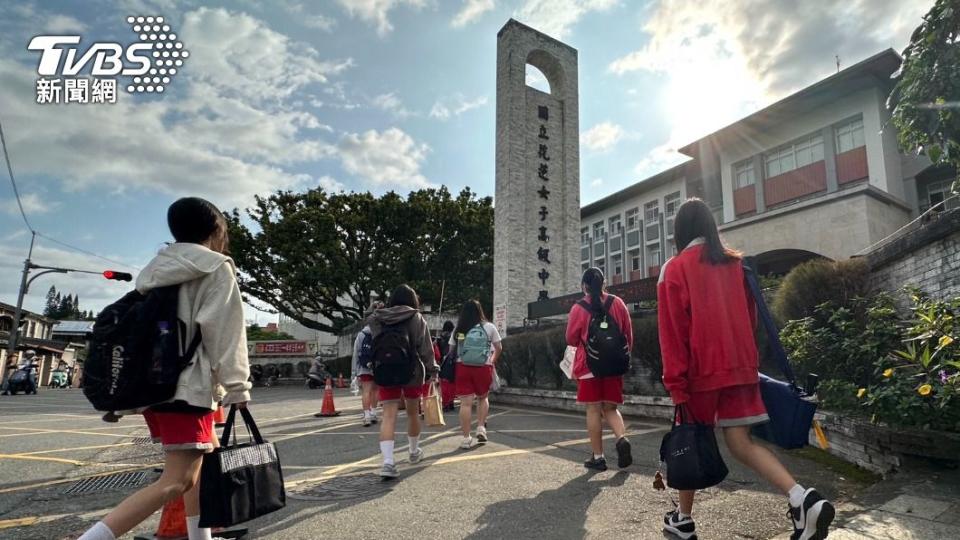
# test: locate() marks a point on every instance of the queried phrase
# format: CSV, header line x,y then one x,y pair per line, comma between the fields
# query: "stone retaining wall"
x,y
647,406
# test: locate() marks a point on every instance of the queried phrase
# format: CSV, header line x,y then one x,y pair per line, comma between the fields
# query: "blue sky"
x,y
377,95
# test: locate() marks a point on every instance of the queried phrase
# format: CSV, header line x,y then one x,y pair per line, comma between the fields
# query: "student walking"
x,y
448,388
208,302
478,347
710,363
402,361
601,313
363,371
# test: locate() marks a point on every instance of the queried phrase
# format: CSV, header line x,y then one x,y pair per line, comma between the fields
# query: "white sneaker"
x,y
481,435
366,420
416,457
468,443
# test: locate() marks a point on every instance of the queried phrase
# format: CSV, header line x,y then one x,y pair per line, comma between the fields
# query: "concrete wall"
x,y
836,226
516,213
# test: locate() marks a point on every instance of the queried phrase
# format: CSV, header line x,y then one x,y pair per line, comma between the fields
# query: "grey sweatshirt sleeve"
x,y
425,349
357,344
224,337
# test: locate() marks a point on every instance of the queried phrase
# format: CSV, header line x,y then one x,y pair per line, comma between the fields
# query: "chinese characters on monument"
x,y
543,170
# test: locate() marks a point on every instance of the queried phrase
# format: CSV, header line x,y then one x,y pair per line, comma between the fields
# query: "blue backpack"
x,y
474,348
365,356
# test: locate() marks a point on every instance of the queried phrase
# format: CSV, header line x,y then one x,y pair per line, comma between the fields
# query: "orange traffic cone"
x,y
340,383
327,409
173,522
219,418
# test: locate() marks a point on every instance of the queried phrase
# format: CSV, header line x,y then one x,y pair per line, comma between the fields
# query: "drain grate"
x,y
142,440
340,488
109,482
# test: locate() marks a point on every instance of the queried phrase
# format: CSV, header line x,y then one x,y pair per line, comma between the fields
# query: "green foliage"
x,y
255,333
815,282
66,307
924,101
919,385
839,395
843,343
315,252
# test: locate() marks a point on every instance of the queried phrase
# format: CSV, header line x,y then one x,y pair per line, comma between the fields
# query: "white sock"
x,y
414,443
98,532
194,532
598,456
681,516
386,448
796,494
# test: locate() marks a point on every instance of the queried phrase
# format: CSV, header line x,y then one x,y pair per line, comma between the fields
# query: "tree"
x,y
256,333
50,308
926,99
328,254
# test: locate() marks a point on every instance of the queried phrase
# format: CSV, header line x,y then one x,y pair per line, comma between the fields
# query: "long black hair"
x,y
593,280
470,315
404,295
194,220
695,220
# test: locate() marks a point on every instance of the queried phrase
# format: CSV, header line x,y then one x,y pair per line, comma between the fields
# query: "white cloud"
x,y
33,203
64,24
391,103
596,182
330,184
658,160
556,17
226,130
471,10
389,159
377,11
456,105
602,137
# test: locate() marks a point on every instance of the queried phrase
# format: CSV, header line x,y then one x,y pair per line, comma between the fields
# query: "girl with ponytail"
x,y
601,395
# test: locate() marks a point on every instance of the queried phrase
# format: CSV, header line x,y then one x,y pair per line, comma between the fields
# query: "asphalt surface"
x,y
527,482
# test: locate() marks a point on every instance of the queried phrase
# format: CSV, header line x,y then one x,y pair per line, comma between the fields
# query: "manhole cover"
x,y
142,440
342,488
109,482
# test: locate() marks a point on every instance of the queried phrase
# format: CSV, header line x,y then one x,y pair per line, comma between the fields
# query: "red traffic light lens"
x,y
108,274
118,276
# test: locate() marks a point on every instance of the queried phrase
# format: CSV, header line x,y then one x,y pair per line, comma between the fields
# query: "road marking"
x,y
34,520
75,448
40,431
39,458
19,522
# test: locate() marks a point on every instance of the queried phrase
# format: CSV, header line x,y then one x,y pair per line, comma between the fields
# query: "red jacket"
x,y
706,321
579,323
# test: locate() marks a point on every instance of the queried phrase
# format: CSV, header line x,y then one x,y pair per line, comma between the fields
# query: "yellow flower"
x,y
861,392
945,340
888,372
925,390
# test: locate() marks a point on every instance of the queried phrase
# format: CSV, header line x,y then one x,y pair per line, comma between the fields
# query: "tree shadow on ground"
x,y
563,508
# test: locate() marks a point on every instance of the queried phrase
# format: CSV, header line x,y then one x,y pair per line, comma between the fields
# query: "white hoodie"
x,y
209,297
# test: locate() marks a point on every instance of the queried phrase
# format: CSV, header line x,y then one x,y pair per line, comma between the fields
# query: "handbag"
x,y
691,455
789,407
240,482
433,408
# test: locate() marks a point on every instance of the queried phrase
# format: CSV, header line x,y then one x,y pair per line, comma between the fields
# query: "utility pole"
x,y
25,282
838,63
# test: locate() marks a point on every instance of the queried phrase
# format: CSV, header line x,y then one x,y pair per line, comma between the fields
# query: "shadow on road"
x,y
563,508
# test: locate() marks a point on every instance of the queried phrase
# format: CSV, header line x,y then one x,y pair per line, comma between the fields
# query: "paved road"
x,y
528,482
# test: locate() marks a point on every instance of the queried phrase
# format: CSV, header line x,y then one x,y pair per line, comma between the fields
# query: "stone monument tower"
x,y
537,212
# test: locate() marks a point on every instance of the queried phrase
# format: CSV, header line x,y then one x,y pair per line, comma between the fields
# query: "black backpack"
x,y
134,359
607,351
393,357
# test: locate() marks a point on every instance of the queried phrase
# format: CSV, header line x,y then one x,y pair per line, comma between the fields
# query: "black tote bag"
x,y
789,407
240,482
691,454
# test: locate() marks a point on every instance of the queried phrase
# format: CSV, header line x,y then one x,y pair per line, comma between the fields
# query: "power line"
x,y
13,181
85,252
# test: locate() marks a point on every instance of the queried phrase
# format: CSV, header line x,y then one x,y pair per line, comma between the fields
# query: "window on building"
x,y
633,218
937,192
634,261
743,174
585,236
601,264
671,203
617,263
584,267
598,231
850,136
615,225
797,154
653,255
651,212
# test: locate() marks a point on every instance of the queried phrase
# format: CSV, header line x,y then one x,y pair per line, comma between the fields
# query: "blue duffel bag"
x,y
790,408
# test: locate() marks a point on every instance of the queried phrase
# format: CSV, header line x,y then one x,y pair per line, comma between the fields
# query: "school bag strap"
x,y
773,335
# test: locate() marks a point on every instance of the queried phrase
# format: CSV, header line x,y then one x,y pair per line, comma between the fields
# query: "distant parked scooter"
x,y
59,379
318,374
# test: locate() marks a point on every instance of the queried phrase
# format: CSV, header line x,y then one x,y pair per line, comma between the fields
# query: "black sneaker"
x,y
685,528
624,457
812,519
597,464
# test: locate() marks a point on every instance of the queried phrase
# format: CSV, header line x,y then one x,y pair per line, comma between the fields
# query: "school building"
x,y
816,174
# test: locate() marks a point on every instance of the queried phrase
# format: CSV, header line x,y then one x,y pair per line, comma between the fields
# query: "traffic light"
x,y
117,276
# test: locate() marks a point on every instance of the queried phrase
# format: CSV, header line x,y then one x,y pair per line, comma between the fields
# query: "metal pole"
x,y
18,312
442,287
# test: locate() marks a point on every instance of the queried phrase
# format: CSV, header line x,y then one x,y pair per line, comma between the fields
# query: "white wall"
x,y
883,159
